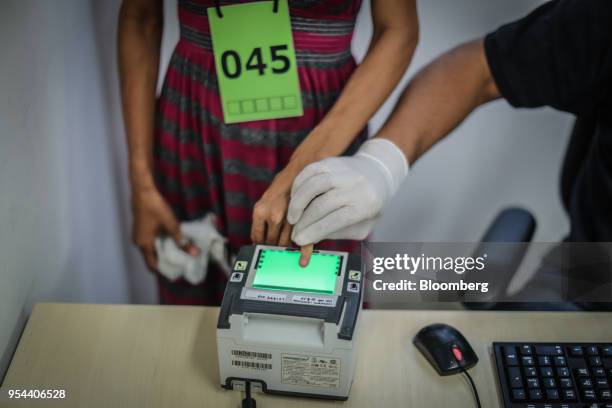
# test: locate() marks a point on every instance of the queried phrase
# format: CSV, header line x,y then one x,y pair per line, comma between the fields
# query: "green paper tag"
x,y
255,61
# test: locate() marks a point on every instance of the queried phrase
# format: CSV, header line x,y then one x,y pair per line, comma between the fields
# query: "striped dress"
x,y
203,165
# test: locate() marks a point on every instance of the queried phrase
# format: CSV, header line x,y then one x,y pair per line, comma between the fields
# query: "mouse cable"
x,y
248,401
469,377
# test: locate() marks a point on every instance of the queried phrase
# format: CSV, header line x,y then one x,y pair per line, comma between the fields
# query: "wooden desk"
x,y
165,356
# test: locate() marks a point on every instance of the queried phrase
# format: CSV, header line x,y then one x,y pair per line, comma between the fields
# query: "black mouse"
x,y
445,348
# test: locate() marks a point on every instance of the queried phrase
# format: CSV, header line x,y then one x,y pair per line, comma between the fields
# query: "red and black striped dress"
x,y
203,165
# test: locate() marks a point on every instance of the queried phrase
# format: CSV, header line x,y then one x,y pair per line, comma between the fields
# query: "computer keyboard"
x,y
555,375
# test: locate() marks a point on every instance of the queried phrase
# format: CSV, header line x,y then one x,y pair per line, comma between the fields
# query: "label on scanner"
x,y
266,296
314,300
307,370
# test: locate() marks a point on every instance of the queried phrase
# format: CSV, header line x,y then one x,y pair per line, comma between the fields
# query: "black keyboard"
x,y
555,375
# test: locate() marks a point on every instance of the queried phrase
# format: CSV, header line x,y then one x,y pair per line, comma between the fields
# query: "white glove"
x,y
342,197
174,263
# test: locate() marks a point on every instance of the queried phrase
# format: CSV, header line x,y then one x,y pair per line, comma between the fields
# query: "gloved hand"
x,y
342,197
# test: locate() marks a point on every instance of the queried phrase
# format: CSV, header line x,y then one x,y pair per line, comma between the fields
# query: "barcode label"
x,y
251,354
252,364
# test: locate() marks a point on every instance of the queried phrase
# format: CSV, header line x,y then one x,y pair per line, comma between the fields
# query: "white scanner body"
x,y
289,342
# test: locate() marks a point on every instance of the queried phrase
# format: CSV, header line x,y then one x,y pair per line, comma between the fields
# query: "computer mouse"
x,y
445,348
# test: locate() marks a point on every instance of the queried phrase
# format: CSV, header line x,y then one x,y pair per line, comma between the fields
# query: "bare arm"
x,y
395,37
139,41
439,98
392,47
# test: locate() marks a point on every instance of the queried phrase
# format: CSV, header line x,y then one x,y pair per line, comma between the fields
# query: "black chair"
x,y
518,225
510,225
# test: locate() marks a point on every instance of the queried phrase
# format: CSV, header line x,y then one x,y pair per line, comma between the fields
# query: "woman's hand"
x,y
153,216
270,225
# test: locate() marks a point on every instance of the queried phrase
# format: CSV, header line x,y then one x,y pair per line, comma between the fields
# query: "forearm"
x,y
439,98
139,40
367,89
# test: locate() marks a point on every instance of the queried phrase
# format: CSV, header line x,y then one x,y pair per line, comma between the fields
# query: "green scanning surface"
x,y
280,270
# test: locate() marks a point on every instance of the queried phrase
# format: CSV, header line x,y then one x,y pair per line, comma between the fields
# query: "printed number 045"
x,y
280,63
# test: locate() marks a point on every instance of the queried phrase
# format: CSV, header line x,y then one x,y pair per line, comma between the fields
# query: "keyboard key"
x,y
525,350
563,372
536,394
602,383
583,372
592,350
546,371
560,361
544,360
514,375
606,350
589,395
599,372
533,382
530,371
566,382
569,395
549,350
585,383
527,361
595,361
605,395
510,356
552,395
518,394
576,351
549,383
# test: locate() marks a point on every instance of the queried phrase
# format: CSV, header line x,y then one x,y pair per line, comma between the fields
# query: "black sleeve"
x,y
559,55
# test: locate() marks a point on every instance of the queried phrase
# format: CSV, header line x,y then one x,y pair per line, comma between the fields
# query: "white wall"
x,y
60,238
64,198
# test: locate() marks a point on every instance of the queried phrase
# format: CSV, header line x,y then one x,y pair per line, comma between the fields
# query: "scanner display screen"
x,y
280,270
